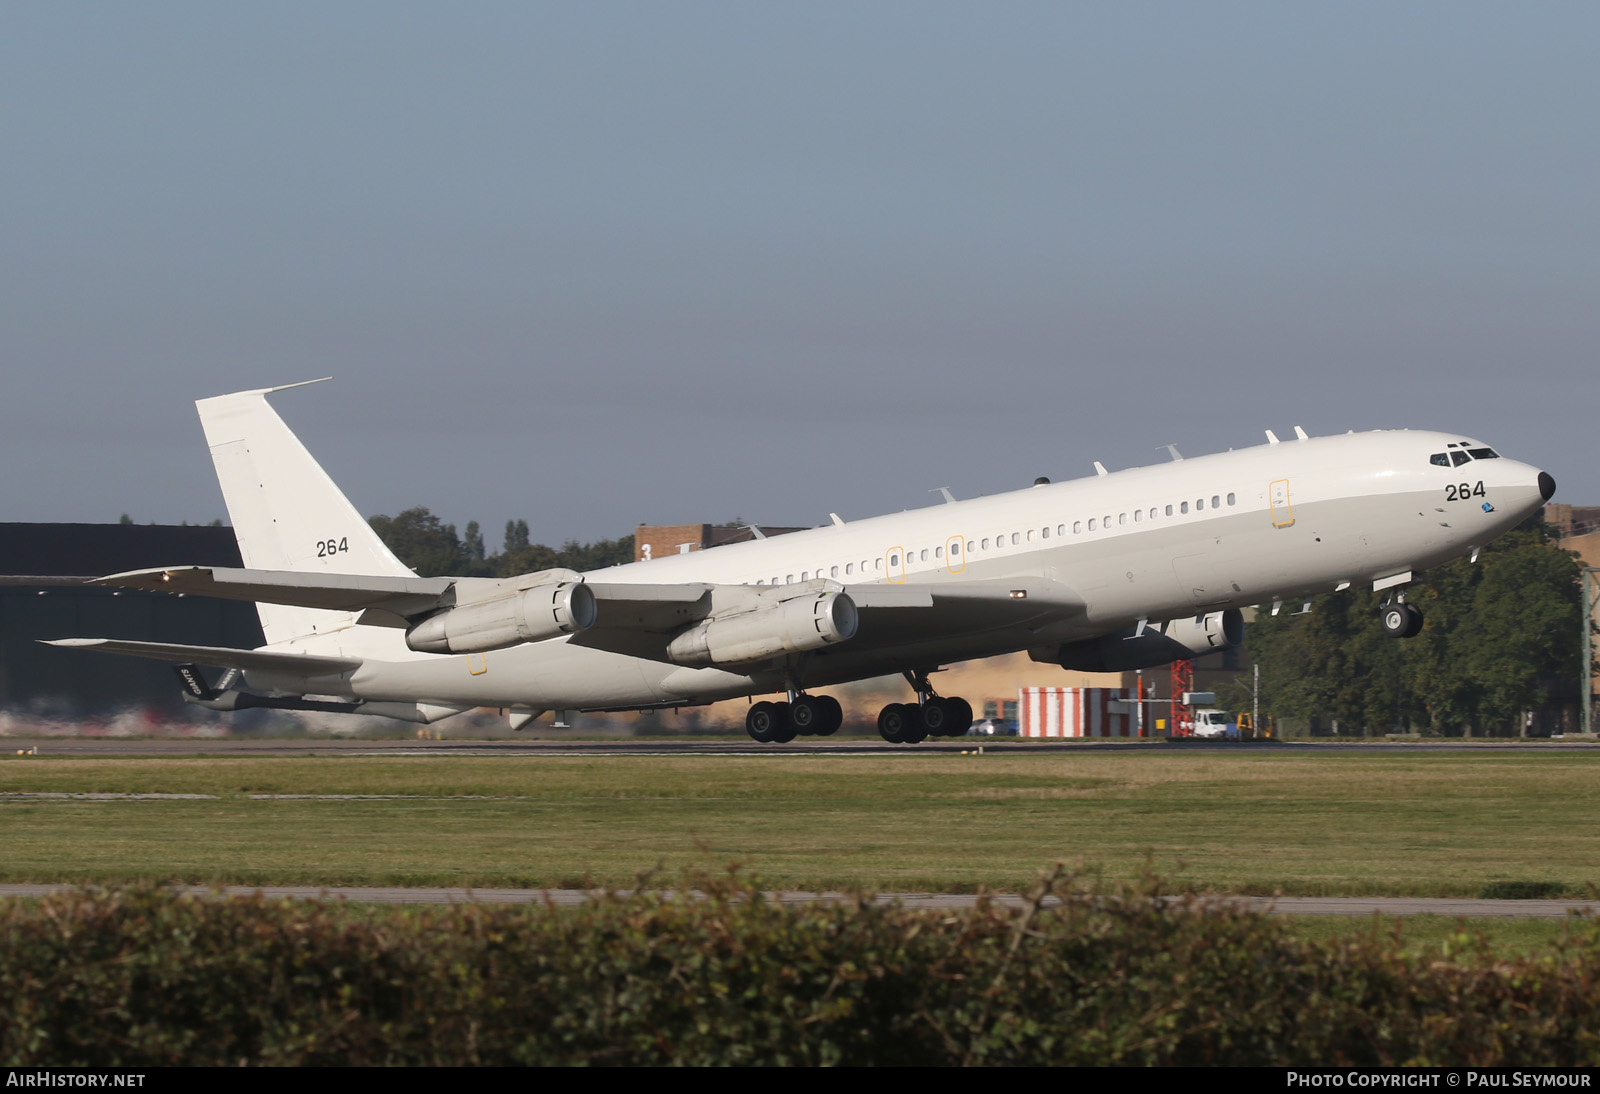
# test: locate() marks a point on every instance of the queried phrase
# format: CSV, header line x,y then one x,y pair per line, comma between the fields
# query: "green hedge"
x,y
143,977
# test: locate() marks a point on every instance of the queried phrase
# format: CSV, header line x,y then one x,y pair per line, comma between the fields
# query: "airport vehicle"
x,y
1115,571
992,727
1214,724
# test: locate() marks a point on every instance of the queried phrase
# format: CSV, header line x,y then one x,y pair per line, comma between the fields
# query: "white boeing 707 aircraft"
x,y
1117,571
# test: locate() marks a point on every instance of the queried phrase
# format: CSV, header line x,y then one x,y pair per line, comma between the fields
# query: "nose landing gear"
x,y
1400,620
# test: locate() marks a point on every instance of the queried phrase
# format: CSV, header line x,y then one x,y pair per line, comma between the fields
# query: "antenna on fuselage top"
x,y
1100,468
1172,450
949,498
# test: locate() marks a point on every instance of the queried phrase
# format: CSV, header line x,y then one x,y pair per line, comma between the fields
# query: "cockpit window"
x,y
1483,453
1459,457
1439,459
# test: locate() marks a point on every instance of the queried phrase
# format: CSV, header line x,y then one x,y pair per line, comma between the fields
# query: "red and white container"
x,y
1072,712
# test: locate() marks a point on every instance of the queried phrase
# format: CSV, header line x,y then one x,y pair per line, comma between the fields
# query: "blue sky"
x,y
597,264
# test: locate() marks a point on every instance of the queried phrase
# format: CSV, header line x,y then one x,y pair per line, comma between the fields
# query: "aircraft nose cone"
x,y
1547,485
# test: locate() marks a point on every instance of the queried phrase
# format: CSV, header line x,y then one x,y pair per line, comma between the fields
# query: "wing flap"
x,y
222,656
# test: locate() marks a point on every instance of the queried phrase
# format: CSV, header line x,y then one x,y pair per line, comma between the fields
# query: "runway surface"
x,y
734,746
1347,906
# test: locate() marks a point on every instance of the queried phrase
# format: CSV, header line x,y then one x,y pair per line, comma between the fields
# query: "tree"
x,y
421,541
1501,637
516,536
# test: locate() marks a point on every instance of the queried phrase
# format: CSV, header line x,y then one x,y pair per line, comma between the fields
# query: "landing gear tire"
x,y
807,717
786,731
1401,621
768,723
947,717
832,716
901,724
916,731
959,718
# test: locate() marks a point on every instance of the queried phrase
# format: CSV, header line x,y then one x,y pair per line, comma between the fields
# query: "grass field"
x,y
1404,824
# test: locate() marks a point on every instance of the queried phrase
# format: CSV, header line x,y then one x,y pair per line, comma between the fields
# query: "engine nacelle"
x,y
1173,641
544,611
802,623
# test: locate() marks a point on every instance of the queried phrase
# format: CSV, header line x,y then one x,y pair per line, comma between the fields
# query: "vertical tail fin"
x,y
286,513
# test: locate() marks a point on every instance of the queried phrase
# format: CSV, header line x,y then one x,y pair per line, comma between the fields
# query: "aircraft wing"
x,y
391,600
339,592
221,656
639,620
909,612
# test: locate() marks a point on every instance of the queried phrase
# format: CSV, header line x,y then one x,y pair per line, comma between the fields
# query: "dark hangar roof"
x,y
93,550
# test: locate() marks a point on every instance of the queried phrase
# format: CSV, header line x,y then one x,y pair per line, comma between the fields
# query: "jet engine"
x,y
1171,641
530,615
799,624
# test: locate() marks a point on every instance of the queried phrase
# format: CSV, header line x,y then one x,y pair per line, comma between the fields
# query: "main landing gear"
x,y
930,716
802,716
1400,620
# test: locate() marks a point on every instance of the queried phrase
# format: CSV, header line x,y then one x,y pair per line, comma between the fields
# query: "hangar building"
x,y
43,570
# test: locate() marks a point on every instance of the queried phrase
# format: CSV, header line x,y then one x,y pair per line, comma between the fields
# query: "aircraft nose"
x,y
1547,485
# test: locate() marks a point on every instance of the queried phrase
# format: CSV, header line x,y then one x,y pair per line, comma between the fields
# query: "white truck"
x,y
1215,724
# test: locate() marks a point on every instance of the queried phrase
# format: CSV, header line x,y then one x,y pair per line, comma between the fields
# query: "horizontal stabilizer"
x,y
340,592
224,656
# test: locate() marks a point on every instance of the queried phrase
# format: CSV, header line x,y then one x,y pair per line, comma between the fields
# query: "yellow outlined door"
x,y
955,556
894,565
1282,512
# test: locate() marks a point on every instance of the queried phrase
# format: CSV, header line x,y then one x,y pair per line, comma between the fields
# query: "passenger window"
x,y
923,557
1122,518
1216,501
1077,527
1106,523
805,575
969,546
1439,459
1091,524
1061,529
894,560
849,568
788,579
1459,457
1044,533
938,552
1016,538
760,583
985,543
833,571
1199,504
1230,499
1169,510
1030,535
877,564
1184,507
1138,515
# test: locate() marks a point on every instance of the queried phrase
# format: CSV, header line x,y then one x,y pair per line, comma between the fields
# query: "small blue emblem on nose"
x,y
1487,508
